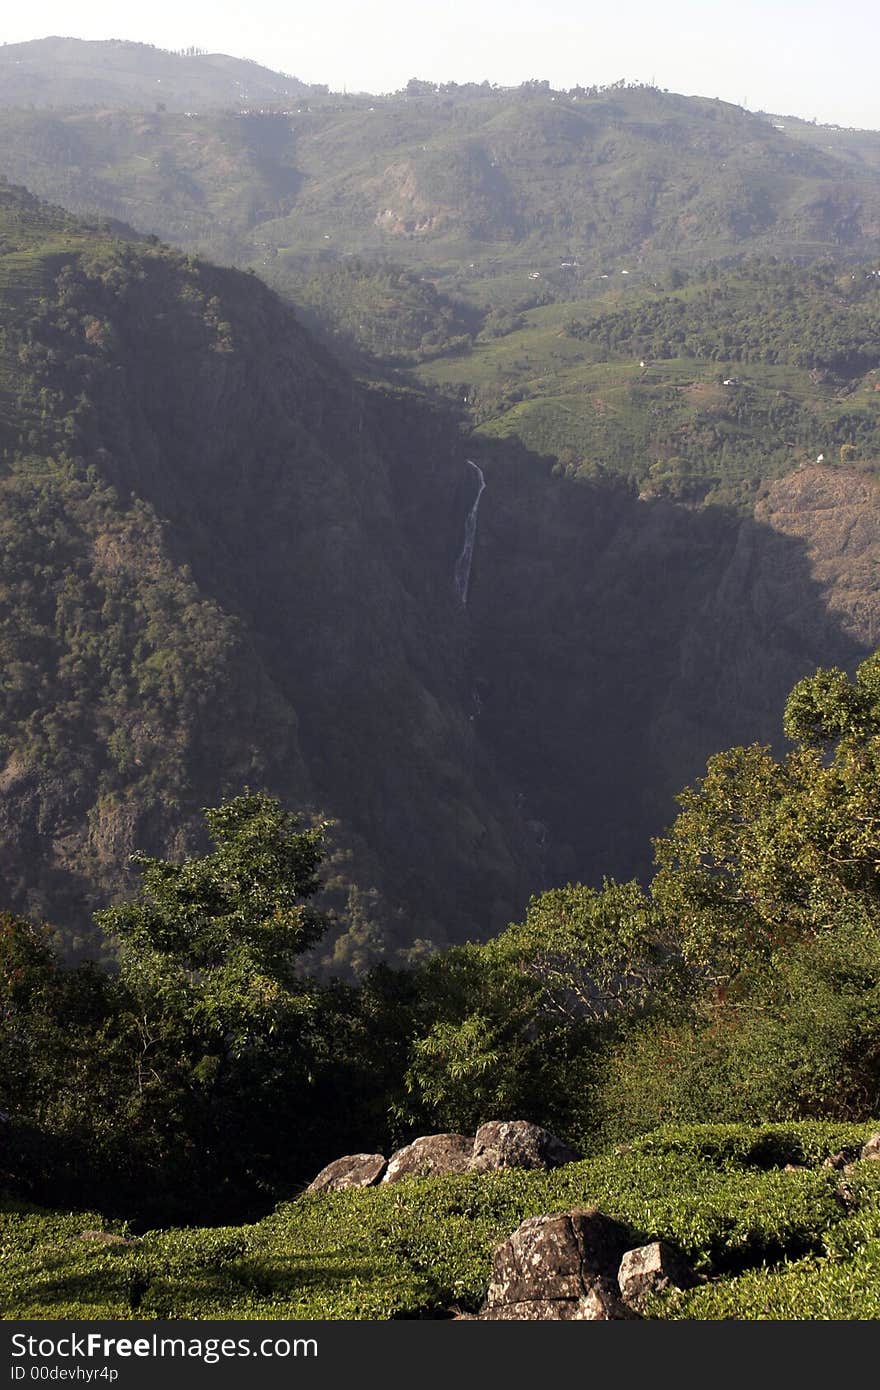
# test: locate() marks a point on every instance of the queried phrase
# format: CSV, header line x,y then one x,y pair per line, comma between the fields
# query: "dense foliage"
x,y
820,316
379,308
143,1081
744,985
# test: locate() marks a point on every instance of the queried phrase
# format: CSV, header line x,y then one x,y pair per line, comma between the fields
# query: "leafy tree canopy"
x,y
227,928
764,852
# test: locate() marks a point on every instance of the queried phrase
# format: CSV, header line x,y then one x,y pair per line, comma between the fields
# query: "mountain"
x,y
477,188
58,72
629,638
224,563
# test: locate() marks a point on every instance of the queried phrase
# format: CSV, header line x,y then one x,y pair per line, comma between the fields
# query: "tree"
x,y
765,852
592,955
27,971
477,1052
226,930
516,1026
209,1075
229,1083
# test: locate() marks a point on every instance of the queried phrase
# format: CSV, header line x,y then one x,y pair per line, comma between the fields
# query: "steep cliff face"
x,y
835,513
798,589
621,642
237,568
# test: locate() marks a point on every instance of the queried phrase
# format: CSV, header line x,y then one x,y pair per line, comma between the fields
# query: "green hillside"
x,y
75,72
518,182
254,542
479,188
365,603
698,393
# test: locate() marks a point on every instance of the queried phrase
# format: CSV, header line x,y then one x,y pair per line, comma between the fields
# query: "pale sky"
x,y
809,58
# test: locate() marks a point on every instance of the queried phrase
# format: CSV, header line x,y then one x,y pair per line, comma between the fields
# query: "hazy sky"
x,y
797,57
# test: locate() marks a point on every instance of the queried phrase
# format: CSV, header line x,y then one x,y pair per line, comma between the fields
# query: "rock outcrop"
x,y
517,1144
871,1150
430,1156
355,1170
498,1144
559,1266
651,1269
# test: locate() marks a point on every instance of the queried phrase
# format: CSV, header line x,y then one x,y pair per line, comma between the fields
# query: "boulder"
x,y
651,1269
355,1170
871,1149
517,1144
558,1266
601,1303
109,1238
430,1156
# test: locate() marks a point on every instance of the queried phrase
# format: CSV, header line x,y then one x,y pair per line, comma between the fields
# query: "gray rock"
x,y
430,1156
600,1303
871,1149
844,1192
109,1238
651,1269
518,1144
559,1265
540,1261
355,1170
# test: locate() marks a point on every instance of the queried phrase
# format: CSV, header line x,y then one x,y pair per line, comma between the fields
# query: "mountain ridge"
x,y
59,70
496,183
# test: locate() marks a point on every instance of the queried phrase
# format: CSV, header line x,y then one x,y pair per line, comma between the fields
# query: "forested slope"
x,y
227,563
210,542
479,186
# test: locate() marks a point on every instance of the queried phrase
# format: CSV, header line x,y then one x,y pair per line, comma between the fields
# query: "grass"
x,y
767,1242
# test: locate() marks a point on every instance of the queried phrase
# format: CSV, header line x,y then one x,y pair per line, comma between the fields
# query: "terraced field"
x,y
683,426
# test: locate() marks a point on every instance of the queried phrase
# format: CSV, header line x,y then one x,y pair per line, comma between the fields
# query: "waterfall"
x,y
461,575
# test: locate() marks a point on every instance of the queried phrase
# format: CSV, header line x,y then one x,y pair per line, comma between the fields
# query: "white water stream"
x,y
462,573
